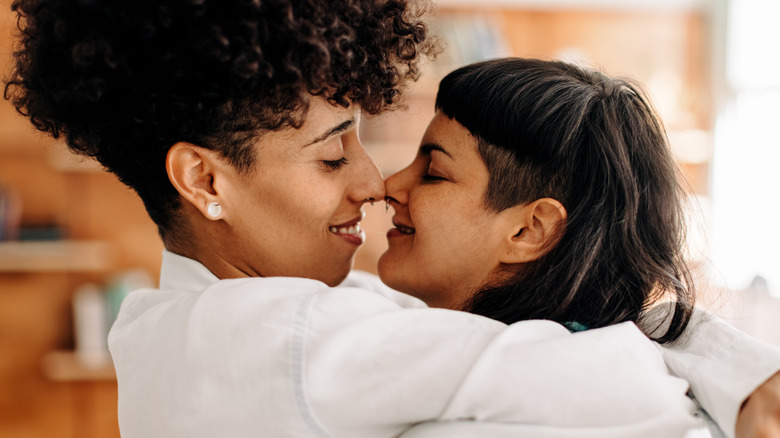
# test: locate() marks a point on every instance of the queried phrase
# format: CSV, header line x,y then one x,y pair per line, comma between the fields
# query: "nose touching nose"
x,y
371,184
396,187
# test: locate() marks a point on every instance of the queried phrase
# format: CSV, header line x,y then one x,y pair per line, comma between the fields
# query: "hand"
x,y
760,414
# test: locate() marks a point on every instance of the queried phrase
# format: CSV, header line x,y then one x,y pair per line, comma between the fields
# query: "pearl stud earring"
x,y
214,210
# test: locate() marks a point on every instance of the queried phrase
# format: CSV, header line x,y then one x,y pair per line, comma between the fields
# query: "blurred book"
x,y
10,214
469,38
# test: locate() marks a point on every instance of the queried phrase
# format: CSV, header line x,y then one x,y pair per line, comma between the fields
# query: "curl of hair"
x,y
124,80
551,129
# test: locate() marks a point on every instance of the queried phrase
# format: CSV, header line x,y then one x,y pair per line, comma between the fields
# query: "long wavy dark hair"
x,y
594,143
124,80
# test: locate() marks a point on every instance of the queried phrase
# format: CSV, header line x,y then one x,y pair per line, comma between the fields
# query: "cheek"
x,y
446,252
431,259
301,205
457,248
448,230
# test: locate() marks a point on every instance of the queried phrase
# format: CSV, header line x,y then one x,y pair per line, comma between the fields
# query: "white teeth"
x,y
353,229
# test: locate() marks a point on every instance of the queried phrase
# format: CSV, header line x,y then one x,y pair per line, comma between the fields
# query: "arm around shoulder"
x,y
760,414
724,366
375,372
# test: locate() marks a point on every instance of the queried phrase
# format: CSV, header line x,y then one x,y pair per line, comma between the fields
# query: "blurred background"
x,y
74,241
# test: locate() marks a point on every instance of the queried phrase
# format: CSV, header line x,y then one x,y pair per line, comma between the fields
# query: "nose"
x,y
397,187
370,186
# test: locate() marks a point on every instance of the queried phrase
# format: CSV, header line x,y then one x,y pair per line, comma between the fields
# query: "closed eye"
x,y
336,164
426,152
427,177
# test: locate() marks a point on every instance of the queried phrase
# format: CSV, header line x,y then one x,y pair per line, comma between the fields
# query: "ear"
x,y
534,230
194,171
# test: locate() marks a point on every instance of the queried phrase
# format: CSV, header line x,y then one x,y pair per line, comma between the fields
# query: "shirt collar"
x,y
182,273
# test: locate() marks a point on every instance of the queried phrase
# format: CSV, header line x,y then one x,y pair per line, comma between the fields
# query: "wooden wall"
x,y
35,306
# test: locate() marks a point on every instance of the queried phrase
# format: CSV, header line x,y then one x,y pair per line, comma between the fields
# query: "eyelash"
x,y
336,165
427,177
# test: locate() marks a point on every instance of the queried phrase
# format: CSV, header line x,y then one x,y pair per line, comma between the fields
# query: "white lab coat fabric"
x,y
291,357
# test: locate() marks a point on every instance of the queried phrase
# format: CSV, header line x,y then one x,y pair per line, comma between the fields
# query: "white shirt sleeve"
x,y
376,374
722,364
368,281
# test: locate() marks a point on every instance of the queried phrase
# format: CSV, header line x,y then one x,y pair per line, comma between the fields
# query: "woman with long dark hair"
x,y
543,190
573,145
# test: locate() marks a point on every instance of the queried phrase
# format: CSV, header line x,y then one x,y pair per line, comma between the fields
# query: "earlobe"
x,y
192,170
535,230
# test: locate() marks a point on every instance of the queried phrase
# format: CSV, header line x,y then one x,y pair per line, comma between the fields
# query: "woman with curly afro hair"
x,y
122,82
236,123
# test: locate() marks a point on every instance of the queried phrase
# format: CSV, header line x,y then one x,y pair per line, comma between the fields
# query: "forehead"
x,y
462,158
320,117
450,135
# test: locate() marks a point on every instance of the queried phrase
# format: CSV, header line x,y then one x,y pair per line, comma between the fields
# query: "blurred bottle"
x,y
90,325
121,285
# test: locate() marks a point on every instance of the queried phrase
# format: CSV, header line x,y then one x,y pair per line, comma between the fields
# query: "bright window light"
x,y
746,159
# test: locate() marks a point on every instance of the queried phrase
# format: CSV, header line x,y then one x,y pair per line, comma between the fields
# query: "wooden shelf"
x,y
65,366
56,256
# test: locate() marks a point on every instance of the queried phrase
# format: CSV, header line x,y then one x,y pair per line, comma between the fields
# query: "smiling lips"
x,y
351,229
351,232
404,230
399,230
354,234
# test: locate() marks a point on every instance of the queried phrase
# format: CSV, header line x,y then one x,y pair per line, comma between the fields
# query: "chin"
x,y
390,277
337,276
398,279
335,281
383,271
388,281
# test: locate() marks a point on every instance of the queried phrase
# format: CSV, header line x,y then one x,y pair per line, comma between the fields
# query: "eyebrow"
x,y
430,147
341,127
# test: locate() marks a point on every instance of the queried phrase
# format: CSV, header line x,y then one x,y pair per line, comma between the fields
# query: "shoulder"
x,y
256,305
371,282
264,298
356,295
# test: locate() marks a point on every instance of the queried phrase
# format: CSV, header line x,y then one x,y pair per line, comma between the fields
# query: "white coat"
x,y
291,357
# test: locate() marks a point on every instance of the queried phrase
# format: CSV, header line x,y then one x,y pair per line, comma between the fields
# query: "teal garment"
x,y
574,326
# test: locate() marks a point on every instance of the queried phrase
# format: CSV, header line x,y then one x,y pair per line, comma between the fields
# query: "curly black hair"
x,y
124,80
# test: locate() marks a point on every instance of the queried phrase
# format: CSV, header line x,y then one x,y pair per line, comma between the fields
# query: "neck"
x,y
203,245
